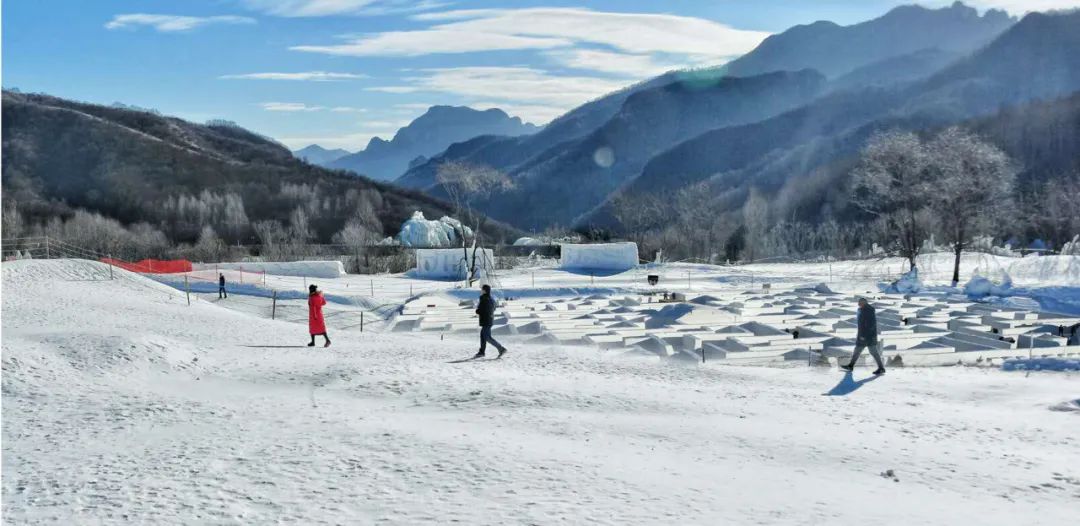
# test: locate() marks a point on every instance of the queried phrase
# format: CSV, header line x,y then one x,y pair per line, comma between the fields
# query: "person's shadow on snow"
x,y
848,385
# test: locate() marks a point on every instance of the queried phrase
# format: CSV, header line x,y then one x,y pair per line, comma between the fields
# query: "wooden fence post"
x,y
273,310
110,267
187,289
361,321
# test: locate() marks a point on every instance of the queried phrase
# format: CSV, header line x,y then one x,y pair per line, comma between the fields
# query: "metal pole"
x,y
273,310
187,290
361,321
110,267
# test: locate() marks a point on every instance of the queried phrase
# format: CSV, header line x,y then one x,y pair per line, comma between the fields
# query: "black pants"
x,y
485,337
221,293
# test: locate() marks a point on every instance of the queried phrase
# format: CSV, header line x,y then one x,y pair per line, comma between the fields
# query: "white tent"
x,y
450,263
602,256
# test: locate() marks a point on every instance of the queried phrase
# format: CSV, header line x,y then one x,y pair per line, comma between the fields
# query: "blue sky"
x,y
337,72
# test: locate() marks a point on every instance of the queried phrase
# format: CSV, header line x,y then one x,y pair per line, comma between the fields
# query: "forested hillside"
x,y
174,179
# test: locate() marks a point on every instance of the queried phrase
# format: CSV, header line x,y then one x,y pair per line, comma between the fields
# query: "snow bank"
x,y
1041,364
527,241
604,256
310,269
420,232
449,263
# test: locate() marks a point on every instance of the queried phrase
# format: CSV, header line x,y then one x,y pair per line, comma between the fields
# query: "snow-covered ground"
x,y
121,403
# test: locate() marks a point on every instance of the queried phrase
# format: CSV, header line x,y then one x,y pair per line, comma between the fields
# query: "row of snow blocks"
x,y
989,357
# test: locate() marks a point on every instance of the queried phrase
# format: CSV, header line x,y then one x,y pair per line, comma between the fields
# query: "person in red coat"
x,y
316,324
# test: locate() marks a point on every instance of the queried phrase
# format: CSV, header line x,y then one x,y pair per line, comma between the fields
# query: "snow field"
x,y
123,404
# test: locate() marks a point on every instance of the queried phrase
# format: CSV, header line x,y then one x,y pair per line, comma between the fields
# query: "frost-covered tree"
x,y
209,247
893,180
467,184
973,187
756,219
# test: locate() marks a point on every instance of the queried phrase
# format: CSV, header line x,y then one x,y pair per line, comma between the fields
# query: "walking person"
x,y
221,293
316,323
867,337
486,311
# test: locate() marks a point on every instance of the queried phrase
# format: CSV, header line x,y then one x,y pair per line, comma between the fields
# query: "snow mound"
x,y
908,283
420,232
527,241
981,287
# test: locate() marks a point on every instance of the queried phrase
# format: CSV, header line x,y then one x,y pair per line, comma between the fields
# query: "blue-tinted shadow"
x,y
848,385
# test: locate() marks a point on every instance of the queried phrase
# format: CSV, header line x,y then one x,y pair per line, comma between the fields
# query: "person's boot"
x,y
327,343
849,367
479,354
312,344
501,353
880,371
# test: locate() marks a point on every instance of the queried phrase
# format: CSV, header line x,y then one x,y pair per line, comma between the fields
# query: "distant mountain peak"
x,y
837,50
428,135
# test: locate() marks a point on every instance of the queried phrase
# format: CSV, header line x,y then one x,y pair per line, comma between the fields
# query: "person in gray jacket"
x,y
867,337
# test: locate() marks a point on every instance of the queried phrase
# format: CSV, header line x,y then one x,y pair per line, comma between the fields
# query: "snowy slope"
x,y
121,403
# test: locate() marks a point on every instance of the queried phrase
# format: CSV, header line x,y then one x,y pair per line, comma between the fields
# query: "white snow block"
x,y
310,269
601,256
450,263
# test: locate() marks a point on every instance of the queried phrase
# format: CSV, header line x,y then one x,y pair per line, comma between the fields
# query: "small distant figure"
x,y
486,311
221,293
867,337
316,323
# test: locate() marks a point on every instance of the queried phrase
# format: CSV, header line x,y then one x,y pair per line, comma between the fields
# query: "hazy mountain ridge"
x,y
318,155
574,175
836,50
427,135
1035,59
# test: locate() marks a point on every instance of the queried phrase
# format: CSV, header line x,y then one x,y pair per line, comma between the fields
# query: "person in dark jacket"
x,y
486,311
867,337
221,286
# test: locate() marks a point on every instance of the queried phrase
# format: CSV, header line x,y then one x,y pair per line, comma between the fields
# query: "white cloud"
x,y
172,23
415,43
316,8
347,109
630,65
547,27
318,76
289,106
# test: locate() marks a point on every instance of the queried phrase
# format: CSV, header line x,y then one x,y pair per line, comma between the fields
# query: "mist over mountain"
x,y
803,152
427,135
576,174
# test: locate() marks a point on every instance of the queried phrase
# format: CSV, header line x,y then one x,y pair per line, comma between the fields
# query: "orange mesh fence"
x,y
154,266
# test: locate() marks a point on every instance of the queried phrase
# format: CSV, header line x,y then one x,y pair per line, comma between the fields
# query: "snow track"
x,y
121,403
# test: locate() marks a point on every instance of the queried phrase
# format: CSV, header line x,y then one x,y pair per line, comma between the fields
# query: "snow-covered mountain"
x,y
428,135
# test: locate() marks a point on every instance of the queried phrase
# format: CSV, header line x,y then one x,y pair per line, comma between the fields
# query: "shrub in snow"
x,y
907,284
420,232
